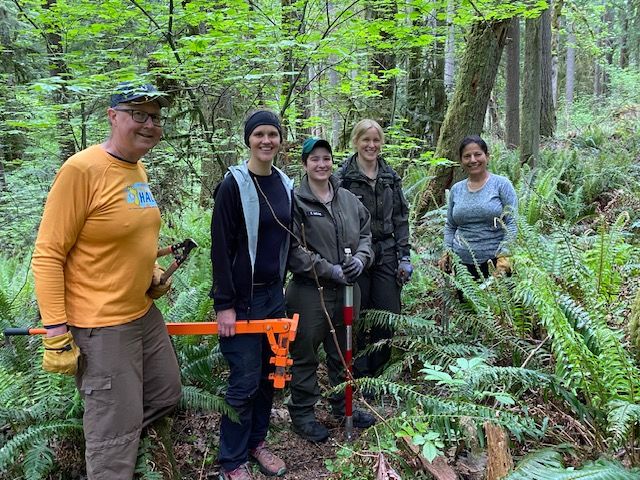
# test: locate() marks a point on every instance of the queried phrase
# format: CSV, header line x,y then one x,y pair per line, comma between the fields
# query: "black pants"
x,y
379,291
484,269
250,391
478,275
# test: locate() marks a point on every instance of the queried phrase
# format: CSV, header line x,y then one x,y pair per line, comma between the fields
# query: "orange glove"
x,y
157,289
503,266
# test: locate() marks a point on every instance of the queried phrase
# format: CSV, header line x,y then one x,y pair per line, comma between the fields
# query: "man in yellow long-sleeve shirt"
x,y
96,278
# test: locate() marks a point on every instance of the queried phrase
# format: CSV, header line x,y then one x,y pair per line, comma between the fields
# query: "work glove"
x,y
445,263
337,275
405,270
353,269
157,289
60,354
503,266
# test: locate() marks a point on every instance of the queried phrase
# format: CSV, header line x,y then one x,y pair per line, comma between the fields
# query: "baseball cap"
x,y
128,92
311,143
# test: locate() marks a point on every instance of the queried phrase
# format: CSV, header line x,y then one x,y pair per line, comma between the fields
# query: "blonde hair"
x,y
361,128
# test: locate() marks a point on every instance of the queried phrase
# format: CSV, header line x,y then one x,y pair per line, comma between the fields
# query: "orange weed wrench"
x,y
279,331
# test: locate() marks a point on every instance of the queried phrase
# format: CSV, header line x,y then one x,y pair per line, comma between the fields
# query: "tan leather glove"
x,y
60,354
503,266
156,290
444,263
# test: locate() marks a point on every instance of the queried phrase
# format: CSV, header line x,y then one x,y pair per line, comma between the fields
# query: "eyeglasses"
x,y
141,117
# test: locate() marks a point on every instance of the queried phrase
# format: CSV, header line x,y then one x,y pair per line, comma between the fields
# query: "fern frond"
x,y
192,305
546,464
195,398
145,462
38,461
198,364
442,411
622,418
34,435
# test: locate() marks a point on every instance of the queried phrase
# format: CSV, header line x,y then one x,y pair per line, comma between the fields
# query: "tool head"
x,y
181,250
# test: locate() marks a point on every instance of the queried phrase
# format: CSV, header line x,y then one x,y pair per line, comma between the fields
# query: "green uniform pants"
x,y
314,330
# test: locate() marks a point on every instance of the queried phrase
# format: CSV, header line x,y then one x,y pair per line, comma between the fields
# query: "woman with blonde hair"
x,y
379,188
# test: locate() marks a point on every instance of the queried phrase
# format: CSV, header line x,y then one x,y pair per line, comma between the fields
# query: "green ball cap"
x,y
313,142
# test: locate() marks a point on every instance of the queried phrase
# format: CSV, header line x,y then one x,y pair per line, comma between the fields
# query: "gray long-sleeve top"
x,y
482,222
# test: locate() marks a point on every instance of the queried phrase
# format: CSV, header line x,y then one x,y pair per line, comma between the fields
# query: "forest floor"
x,y
196,433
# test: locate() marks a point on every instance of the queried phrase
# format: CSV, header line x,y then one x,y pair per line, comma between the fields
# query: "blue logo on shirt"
x,y
140,195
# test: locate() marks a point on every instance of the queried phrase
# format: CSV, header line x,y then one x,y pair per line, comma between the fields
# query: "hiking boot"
x,y
269,463
361,419
313,431
240,473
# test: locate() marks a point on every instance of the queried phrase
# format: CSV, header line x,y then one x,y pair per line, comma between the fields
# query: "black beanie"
x,y
261,117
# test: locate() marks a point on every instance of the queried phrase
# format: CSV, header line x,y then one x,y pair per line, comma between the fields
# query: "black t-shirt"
x,y
271,235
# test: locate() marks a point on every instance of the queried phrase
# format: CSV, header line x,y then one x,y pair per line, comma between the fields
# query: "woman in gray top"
x,y
481,215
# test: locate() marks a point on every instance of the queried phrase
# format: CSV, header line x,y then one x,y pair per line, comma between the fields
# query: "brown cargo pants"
x,y
128,377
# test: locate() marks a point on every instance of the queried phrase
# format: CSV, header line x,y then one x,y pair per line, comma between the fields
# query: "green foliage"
x,y
546,464
553,329
418,431
346,466
33,438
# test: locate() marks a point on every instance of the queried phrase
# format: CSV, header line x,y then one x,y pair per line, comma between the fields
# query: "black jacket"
x,y
234,237
385,201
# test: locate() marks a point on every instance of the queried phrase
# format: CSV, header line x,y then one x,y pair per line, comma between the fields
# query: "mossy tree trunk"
x,y
512,90
547,105
530,124
465,115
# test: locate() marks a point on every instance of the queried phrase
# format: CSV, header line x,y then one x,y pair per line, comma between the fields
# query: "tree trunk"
x,y
555,42
512,89
624,40
500,461
450,49
493,118
608,47
530,128
570,75
438,91
465,115
547,104
3,178
418,78
597,78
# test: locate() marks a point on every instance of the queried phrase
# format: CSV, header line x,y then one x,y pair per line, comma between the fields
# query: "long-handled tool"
x,y
279,331
347,313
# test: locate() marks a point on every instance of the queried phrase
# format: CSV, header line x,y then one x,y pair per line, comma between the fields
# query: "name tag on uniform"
x,y
314,213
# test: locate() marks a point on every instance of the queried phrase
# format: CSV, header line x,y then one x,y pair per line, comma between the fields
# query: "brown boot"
x,y
269,463
240,473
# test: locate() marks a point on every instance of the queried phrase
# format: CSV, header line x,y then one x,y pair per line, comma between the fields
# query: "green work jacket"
x,y
322,233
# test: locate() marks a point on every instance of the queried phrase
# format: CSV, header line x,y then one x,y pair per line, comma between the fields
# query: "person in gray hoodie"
x,y
251,221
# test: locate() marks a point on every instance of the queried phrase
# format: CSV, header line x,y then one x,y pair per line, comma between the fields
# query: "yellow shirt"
x,y
97,242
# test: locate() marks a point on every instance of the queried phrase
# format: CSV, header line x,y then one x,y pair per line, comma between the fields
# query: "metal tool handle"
x,y
348,355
